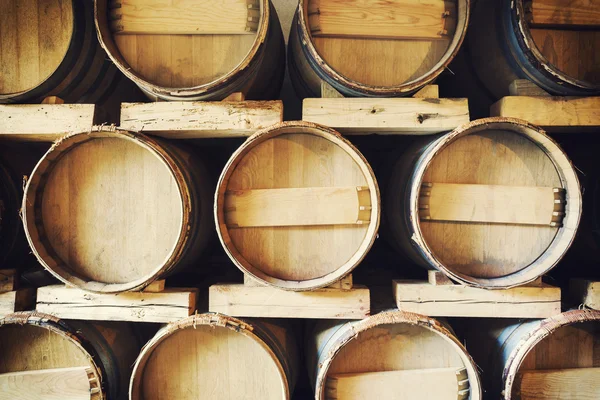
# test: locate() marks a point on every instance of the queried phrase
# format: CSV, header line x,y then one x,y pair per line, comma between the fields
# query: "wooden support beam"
x,y
559,384
18,300
463,301
397,116
184,17
8,280
51,384
297,207
585,292
196,120
439,384
391,19
523,205
564,14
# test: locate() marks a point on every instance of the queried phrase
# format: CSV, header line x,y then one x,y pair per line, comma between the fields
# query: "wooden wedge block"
x,y
585,292
391,19
162,307
524,87
50,384
564,13
194,120
428,92
8,280
397,116
559,384
240,300
463,301
18,300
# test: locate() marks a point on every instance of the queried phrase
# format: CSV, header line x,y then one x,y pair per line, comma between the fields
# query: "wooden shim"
x,y
585,292
391,19
185,17
156,286
191,120
438,278
238,300
428,92
463,301
564,13
163,307
297,207
8,280
426,384
559,384
45,122
329,92
524,87
400,116
18,300
554,114
522,205
50,384
346,283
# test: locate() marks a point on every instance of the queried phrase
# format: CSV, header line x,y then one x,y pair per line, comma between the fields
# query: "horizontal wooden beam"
x,y
185,17
298,207
50,384
391,19
397,116
559,384
523,205
564,14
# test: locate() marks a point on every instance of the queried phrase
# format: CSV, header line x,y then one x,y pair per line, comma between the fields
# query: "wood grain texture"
x,y
562,384
387,116
50,384
565,13
462,301
267,302
524,87
18,300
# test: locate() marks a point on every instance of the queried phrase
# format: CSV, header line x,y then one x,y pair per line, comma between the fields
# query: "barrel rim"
x,y
335,138
213,320
564,236
58,268
355,88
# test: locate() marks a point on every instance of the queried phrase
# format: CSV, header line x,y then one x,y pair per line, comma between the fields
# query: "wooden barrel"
x,y
110,210
389,353
297,206
10,224
50,48
554,44
374,48
195,50
457,202
215,356
45,355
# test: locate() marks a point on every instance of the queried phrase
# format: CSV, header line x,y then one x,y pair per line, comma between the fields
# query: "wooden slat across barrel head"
x,y
111,211
489,186
212,356
297,206
194,49
374,48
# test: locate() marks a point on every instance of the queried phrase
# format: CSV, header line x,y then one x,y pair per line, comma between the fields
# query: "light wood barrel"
x,y
10,224
555,44
374,48
391,352
195,50
111,210
217,357
297,206
458,202
44,355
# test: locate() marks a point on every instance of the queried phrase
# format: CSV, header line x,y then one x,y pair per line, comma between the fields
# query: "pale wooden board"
x,y
565,12
185,17
19,300
240,300
562,384
51,384
586,293
44,123
364,116
189,120
422,384
462,301
162,307
395,19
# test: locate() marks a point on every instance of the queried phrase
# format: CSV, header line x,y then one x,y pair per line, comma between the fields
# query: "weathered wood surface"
x,y
559,384
565,13
50,384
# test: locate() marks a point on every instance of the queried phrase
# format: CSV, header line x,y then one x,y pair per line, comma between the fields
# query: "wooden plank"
x,y
426,384
8,280
185,17
363,116
163,307
391,19
50,384
525,205
565,13
428,92
297,207
554,114
46,122
463,301
191,120
240,300
559,384
585,292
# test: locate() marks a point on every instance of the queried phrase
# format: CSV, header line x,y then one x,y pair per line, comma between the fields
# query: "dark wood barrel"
x,y
373,48
185,53
212,353
69,358
111,210
458,201
10,224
